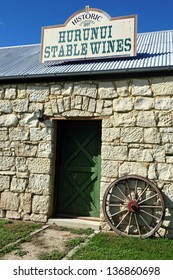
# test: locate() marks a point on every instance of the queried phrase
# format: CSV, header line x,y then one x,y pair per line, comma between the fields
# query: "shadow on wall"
x,y
166,229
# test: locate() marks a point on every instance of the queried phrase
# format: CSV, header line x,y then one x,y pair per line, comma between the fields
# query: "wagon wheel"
x,y
133,206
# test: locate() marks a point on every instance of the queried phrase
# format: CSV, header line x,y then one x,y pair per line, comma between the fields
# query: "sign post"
x,y
89,34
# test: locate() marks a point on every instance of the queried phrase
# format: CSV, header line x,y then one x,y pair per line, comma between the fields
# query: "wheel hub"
x,y
133,206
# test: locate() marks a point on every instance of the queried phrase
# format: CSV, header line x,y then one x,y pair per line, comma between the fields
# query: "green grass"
x,y
54,255
108,246
86,231
75,242
11,231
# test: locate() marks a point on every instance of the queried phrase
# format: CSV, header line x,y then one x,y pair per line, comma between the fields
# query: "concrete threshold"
x,y
75,223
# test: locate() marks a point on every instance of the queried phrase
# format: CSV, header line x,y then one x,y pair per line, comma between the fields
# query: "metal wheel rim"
x,y
137,216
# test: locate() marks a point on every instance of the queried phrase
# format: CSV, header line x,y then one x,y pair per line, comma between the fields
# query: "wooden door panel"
x,y
79,170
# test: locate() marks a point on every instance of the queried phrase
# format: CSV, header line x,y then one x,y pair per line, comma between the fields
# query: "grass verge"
x,y
11,231
108,246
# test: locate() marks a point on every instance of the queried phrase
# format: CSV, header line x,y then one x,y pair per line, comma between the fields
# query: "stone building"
x,y
69,129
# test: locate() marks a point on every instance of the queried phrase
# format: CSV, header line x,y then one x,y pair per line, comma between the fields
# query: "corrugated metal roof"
x,y
154,51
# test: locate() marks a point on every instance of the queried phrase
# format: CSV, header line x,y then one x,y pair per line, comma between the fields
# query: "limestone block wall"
x,y
137,138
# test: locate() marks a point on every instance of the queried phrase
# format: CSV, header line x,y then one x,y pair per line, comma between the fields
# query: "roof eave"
x,y
162,70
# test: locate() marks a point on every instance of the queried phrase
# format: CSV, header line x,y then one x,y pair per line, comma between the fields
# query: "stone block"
x,y
85,103
67,89
45,149
55,89
109,168
122,88
38,134
40,204
125,119
19,133
167,137
108,122
123,104
107,112
38,93
9,120
77,113
163,103
28,120
40,184
106,90
114,152
152,135
85,89
162,86
146,119
164,119
137,168
4,134
6,163
21,92
108,103
60,103
39,165
141,87
18,185
92,105
13,215
10,93
159,153
47,110
143,155
143,103
9,201
5,106
4,183
54,105
152,172
24,150
25,202
99,106
165,171
110,134
67,103
78,102
20,105
132,135
40,218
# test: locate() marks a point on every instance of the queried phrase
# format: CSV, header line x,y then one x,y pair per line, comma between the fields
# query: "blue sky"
x,y
21,20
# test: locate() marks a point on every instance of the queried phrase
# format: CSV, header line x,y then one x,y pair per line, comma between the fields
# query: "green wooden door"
x,y
79,169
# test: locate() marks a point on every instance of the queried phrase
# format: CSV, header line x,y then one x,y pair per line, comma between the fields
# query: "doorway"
x,y
78,168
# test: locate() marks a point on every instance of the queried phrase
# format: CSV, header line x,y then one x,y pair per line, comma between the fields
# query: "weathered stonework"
x,y
137,138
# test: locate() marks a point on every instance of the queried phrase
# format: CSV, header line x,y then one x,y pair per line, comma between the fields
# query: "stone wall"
x,y
137,138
